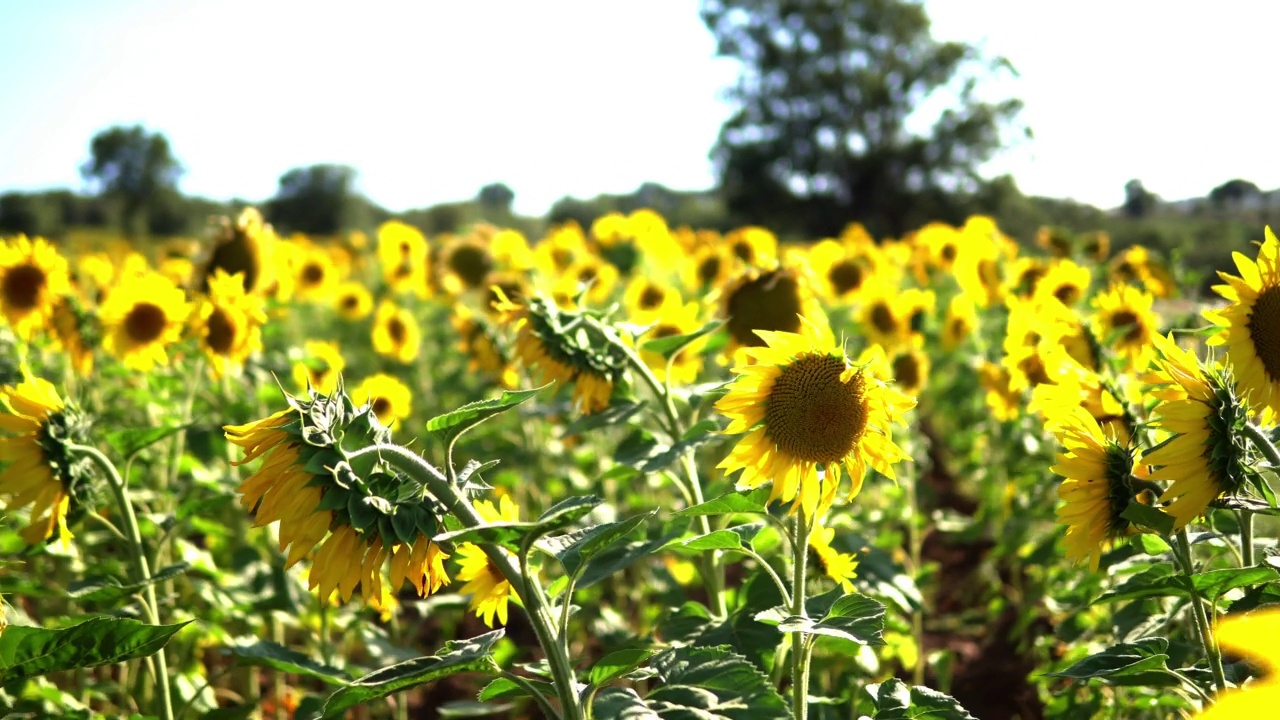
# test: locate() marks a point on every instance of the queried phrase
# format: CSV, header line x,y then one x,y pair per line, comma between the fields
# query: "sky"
x,y
429,101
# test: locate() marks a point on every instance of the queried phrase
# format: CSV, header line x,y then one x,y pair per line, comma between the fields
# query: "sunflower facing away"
x,y
1097,485
1250,325
775,300
32,277
141,318
488,587
37,469
1205,456
806,410
228,323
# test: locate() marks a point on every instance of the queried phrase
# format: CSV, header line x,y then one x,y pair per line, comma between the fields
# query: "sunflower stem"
x,y
1246,538
535,606
1182,551
1263,444
799,658
141,567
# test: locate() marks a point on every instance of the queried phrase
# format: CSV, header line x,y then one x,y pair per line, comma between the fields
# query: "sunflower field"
x,y
635,471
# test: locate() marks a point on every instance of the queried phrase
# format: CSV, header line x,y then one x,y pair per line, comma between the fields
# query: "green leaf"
x,y
734,538
617,558
621,704
638,448
669,346
734,502
1151,544
853,617
1146,516
616,414
576,549
108,589
1156,581
693,625
618,663
506,534
449,426
895,701
455,657
129,442
263,653
566,512
1214,583
1135,663
27,652
504,689
713,682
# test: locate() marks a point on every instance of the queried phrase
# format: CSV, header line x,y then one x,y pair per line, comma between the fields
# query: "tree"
x,y
829,126
1233,193
316,200
496,198
131,167
1138,201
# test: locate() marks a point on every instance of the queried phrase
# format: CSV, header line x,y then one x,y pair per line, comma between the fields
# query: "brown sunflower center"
x,y
397,330
1264,330
312,274
1125,272
882,318
561,258
239,254
906,371
350,302
709,269
145,322
588,275
957,327
769,302
470,263
1067,293
1033,367
663,331
845,276
949,252
382,408
652,297
1029,279
1128,319
222,332
812,415
989,272
22,286
744,251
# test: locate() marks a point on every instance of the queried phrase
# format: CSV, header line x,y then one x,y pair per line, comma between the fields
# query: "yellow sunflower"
x,y
843,269
773,300
465,263
32,278
488,587
37,471
840,567
891,317
402,254
943,243
1096,246
753,246
1065,282
706,268
353,301
979,271
389,397
960,322
673,321
806,409
563,246
73,331
314,275
228,323
477,340
1204,455
141,318
1124,317
246,248
320,367
1098,484
1003,400
646,298
1250,324
910,367
591,274
1025,276
1256,636
510,251
395,332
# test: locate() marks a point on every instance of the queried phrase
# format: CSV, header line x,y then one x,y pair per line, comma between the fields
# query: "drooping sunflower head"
x,y
387,396
1204,454
772,301
141,318
36,431
806,409
1249,327
489,589
478,339
244,247
32,278
1123,318
76,333
1099,483
396,333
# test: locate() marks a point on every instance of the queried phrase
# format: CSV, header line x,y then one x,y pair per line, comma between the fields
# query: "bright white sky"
x,y
430,101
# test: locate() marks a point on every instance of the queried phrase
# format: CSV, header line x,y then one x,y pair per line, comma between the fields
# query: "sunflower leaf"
x,y
713,682
1149,517
27,652
129,442
108,589
734,502
503,688
451,425
895,701
618,663
456,656
669,347
1137,663
577,548
263,653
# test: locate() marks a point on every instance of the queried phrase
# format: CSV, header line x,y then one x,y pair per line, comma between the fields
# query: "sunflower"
x,y
465,263
943,243
245,248
1025,276
38,470
840,567
843,269
591,275
979,271
1205,455
1256,636
1056,241
1004,401
510,251
32,278
1081,387
315,275
561,248
646,298
672,321
402,253
1137,265
754,246
1096,246
910,367
141,318
515,286
477,340
395,332
707,268
961,321
1065,282
389,397
1097,473
891,317
320,367
353,301
488,587
1250,326
805,408
1124,317
73,334
774,300
228,323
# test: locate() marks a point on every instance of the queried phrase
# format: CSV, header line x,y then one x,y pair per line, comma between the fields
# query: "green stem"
x,y
143,570
1246,538
777,579
1182,551
799,658
531,597
1263,444
533,692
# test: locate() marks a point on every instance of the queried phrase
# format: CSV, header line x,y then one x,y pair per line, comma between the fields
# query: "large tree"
x,y
316,200
132,167
849,110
